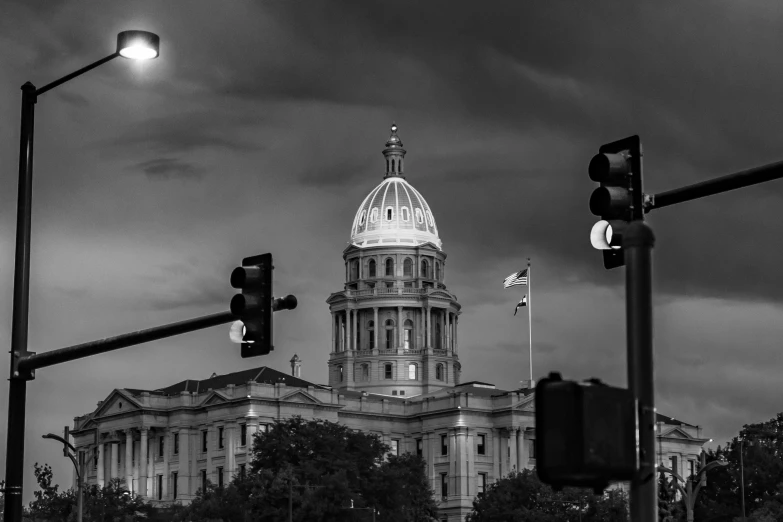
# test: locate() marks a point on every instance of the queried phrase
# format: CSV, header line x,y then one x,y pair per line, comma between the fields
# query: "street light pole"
x,y
742,479
17,394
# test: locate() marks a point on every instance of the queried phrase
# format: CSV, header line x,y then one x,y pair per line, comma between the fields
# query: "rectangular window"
x,y
220,477
203,480
407,339
402,392
692,466
176,444
174,484
204,438
531,449
95,458
220,437
444,485
265,428
242,470
674,464
387,371
133,453
372,339
394,392
149,448
482,483
119,454
444,446
395,447
160,447
160,487
389,339
481,445
243,434
419,447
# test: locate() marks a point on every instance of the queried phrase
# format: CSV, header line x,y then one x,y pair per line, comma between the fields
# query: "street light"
x,y
689,493
79,467
130,44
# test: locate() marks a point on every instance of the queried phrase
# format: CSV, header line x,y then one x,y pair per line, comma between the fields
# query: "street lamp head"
x,y
138,45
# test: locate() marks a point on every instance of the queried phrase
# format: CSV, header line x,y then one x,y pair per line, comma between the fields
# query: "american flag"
x,y
517,278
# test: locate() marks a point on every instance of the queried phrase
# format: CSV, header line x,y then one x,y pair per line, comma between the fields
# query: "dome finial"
x,y
394,128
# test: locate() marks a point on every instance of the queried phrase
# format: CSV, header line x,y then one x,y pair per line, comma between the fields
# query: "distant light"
x,y
138,45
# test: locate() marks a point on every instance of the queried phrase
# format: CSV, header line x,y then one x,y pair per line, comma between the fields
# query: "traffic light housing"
x,y
620,198
585,433
254,305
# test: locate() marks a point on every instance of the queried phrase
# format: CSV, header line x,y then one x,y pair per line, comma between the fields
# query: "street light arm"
x,y
676,482
59,439
74,74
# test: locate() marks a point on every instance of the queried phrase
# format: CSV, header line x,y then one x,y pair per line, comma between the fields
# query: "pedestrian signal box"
x,y
585,433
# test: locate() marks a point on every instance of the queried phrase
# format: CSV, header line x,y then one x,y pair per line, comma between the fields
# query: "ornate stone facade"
x,y
393,370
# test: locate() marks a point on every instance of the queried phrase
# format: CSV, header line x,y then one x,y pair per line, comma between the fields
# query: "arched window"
x,y
404,212
439,372
361,218
429,219
340,369
374,215
437,270
413,372
389,267
388,371
354,269
407,267
371,331
419,216
372,267
389,213
424,268
408,327
389,334
365,372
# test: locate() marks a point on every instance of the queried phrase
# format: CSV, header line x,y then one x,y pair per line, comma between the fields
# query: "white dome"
x,y
394,213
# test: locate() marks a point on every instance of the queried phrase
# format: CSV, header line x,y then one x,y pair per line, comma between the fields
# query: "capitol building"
x,y
393,370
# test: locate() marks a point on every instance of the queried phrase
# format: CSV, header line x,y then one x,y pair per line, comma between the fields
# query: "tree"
x,y
401,491
522,497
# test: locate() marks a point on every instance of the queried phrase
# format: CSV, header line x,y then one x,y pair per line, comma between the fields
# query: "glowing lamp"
x,y
138,45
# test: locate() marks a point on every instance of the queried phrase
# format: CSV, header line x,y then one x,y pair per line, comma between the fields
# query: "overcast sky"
x,y
260,129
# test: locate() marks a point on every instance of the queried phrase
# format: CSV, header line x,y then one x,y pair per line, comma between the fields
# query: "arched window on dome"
x,y
404,214
419,216
362,217
372,268
429,219
374,215
413,372
439,372
407,267
437,270
425,268
389,213
389,334
371,333
408,327
389,266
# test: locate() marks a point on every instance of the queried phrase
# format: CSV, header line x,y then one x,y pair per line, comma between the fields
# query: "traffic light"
x,y
585,433
66,436
620,198
255,305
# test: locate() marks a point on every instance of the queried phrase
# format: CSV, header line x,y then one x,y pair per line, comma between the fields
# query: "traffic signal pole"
x,y
638,242
710,187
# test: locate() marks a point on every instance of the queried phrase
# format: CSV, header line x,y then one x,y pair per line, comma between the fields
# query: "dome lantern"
x,y
394,154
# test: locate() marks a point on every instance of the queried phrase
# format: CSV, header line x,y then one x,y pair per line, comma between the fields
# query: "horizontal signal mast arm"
x,y
726,183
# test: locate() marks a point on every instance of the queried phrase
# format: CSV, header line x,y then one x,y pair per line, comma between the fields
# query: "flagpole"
x,y
530,316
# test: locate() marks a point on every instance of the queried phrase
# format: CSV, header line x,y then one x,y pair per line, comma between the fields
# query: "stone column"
x,y
100,465
400,330
512,446
142,464
430,439
184,475
231,460
496,458
355,330
135,457
456,324
151,466
113,471
347,330
340,330
167,450
427,327
461,457
210,469
521,461
377,326
454,463
470,460
129,459
334,331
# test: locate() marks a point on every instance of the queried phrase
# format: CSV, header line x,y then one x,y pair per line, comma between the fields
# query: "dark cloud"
x,y
168,168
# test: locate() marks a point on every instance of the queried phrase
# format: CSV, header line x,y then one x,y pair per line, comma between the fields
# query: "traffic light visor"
x,y
602,166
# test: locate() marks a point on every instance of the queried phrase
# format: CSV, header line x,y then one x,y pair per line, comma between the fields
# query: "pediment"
x,y
526,404
439,293
117,402
215,398
300,396
676,433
